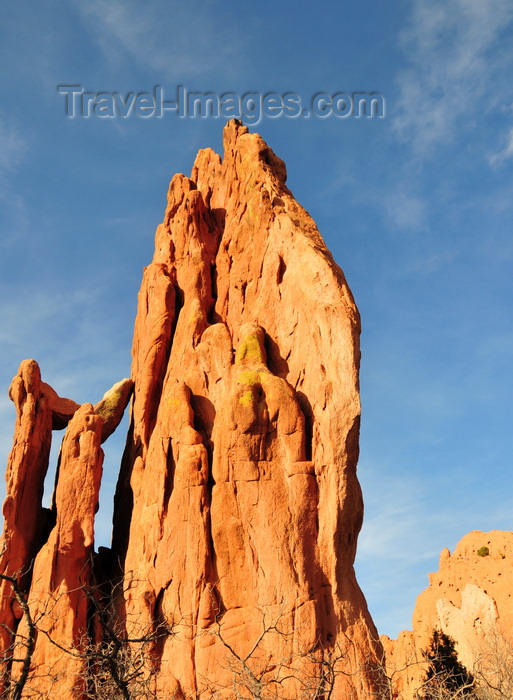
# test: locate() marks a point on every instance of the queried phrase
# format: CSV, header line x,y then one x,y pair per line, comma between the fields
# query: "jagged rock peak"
x,y
237,508
241,459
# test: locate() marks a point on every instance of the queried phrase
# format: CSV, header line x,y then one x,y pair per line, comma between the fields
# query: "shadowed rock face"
x,y
238,495
237,509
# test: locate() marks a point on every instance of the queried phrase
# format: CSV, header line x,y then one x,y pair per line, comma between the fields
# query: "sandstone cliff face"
x,y
240,473
469,598
238,507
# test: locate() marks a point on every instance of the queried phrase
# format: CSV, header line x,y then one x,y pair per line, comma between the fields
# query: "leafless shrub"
x,y
117,663
493,668
267,671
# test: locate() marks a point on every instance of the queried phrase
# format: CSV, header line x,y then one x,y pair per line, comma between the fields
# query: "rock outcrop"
x,y
469,599
238,508
26,522
112,406
45,556
62,572
238,490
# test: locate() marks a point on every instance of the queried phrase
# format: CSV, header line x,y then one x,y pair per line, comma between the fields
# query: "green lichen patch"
x,y
250,377
246,399
174,402
251,349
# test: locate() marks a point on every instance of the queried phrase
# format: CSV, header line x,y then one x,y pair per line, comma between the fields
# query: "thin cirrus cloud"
x,y
448,46
395,527
405,210
397,545
506,153
68,338
13,147
162,41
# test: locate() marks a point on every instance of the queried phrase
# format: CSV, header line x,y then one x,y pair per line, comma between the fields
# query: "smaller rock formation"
x,y
469,599
62,573
47,552
26,523
112,407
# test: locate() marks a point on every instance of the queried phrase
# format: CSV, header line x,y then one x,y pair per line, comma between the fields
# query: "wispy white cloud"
x,y
402,206
396,548
174,41
396,518
405,210
452,68
13,146
13,150
505,154
76,344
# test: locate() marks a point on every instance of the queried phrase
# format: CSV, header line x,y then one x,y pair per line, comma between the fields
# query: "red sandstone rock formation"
x,y
46,553
62,569
38,409
238,507
238,492
469,598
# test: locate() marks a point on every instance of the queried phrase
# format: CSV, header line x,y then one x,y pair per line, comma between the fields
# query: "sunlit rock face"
x,y
238,502
46,555
237,508
469,599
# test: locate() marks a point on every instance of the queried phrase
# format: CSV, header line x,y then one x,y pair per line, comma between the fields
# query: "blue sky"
x,y
416,207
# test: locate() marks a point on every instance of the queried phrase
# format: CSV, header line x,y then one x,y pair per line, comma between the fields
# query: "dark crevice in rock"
x,y
204,415
276,363
281,270
161,628
219,215
47,523
212,316
124,501
170,473
179,303
306,407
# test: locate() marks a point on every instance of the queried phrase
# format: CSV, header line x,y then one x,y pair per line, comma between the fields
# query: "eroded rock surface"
x,y
26,522
238,508
46,554
469,598
238,489
62,574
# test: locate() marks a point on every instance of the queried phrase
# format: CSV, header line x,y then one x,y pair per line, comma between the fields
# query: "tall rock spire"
x,y
237,508
238,500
